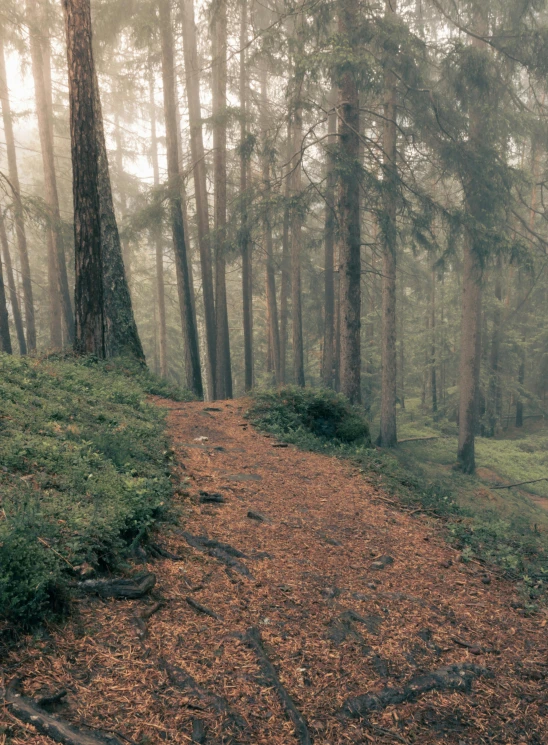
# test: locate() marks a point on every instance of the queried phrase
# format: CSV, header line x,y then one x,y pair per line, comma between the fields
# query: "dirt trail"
x,y
346,595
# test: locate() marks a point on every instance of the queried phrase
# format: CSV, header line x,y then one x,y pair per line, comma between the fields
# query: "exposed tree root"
x,y
201,608
253,640
449,678
28,711
129,589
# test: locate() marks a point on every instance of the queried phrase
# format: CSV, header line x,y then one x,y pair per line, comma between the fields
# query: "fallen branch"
x,y
419,439
201,608
521,483
141,618
253,640
202,543
129,589
27,710
474,648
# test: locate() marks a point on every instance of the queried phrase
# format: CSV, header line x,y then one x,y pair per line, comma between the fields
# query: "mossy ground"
x,y
503,527
84,469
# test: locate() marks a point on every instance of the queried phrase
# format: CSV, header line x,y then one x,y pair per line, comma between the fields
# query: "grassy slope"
x,y
503,527
83,470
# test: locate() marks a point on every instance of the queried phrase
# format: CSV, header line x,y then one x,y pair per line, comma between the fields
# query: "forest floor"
x,y
311,592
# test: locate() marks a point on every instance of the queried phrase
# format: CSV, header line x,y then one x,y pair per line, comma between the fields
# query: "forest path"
x,y
346,595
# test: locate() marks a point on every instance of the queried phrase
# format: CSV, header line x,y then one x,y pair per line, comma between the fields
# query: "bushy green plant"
x,y
83,469
324,414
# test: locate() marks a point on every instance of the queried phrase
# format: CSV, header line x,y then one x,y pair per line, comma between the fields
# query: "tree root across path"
x,y
318,646
29,712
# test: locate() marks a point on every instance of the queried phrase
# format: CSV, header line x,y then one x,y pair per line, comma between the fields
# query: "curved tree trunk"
x,y
89,311
192,359
28,300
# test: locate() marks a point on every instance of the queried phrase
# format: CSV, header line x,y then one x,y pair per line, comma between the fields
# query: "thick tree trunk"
x,y
272,315
349,217
296,242
14,300
19,220
219,78
192,361
245,236
121,335
388,431
285,288
158,243
41,70
192,76
329,249
88,303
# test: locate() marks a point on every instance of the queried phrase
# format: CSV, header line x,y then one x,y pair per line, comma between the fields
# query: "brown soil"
x,y
310,562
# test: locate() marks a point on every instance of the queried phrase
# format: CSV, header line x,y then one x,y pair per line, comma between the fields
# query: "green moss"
x,y
84,468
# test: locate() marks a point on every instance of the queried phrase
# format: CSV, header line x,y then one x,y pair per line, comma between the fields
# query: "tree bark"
x,y
470,357
192,76
18,214
121,335
88,304
119,155
14,300
245,236
219,78
388,429
433,379
157,241
192,361
41,70
296,223
272,315
349,216
329,249
494,398
285,288
5,338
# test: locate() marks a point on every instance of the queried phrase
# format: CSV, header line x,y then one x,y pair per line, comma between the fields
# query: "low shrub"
x,y
324,414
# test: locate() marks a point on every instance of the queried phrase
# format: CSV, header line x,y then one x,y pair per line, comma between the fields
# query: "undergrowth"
x,y
84,469
509,538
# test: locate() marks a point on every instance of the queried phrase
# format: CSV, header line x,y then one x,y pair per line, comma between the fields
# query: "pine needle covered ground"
x,y
294,603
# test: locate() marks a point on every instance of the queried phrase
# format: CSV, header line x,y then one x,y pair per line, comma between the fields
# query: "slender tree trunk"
x,y
192,361
329,249
121,335
296,241
14,300
247,294
219,77
88,304
494,398
5,338
286,267
433,360
41,69
273,327
401,348
470,356
119,155
349,216
157,241
192,75
388,430
19,220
